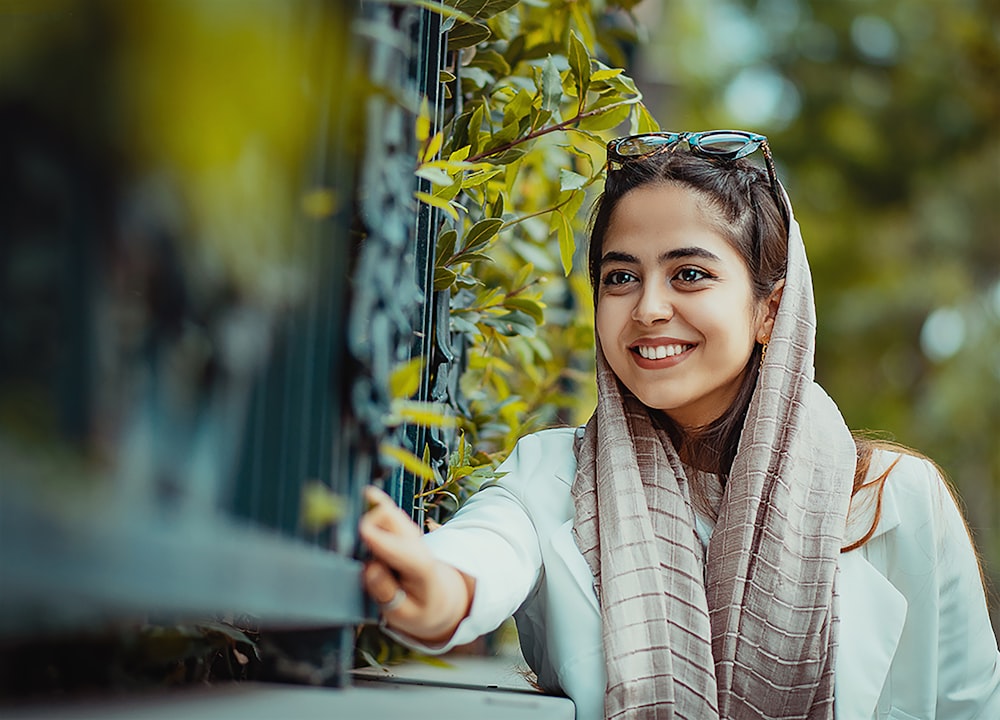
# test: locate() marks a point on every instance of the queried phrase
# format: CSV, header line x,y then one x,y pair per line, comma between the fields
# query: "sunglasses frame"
x,y
695,141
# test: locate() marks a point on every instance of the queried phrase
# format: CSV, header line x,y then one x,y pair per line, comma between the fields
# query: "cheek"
x,y
734,330
601,321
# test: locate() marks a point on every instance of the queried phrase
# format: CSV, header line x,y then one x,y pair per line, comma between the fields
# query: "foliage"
x,y
512,171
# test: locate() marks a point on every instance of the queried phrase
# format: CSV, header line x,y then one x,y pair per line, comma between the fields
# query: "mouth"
x,y
660,352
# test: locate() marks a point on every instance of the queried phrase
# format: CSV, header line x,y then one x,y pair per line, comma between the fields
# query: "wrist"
x,y
457,591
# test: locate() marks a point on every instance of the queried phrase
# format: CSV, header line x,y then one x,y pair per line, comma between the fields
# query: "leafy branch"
x,y
501,269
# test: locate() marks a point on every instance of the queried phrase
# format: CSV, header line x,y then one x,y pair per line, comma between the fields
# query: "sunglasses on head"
x,y
712,144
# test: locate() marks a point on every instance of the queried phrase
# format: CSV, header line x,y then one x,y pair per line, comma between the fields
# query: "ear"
x,y
770,306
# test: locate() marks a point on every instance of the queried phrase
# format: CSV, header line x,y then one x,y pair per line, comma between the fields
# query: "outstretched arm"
x,y
420,595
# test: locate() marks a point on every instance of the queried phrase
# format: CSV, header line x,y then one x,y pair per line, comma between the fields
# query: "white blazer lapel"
x,y
575,564
872,612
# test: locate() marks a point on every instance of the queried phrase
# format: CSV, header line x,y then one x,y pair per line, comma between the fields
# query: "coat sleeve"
x,y
968,661
491,538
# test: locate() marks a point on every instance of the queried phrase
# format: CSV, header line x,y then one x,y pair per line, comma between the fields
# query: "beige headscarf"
x,y
751,633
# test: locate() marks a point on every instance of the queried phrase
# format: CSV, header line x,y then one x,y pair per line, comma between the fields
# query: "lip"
x,y
660,363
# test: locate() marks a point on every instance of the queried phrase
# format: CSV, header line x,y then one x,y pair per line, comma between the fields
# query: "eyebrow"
x,y
675,254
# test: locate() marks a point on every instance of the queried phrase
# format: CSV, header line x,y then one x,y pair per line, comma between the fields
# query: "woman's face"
x,y
676,316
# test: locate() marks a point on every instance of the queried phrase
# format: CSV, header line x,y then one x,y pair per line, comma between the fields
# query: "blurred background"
x,y
884,119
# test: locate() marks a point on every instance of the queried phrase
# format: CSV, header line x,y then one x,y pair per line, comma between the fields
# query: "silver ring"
x,y
395,601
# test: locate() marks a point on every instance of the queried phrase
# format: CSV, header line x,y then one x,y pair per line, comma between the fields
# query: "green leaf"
x,y
539,117
513,324
432,148
492,62
444,278
511,174
471,257
584,24
475,128
573,205
508,156
609,100
410,462
589,143
434,175
476,78
468,282
515,50
505,136
568,206
579,63
482,8
422,128
605,74
445,246
569,180
607,119
523,274
489,296
450,192
405,378
551,86
534,308
567,243
438,202
643,121
480,177
518,107
496,209
442,9
461,325
425,414
320,507
481,233
466,35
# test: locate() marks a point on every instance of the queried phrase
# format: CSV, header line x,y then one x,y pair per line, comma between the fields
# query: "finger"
x,y
376,496
385,522
385,517
404,552
395,604
384,513
379,582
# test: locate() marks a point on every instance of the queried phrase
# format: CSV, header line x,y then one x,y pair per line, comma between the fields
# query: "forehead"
x,y
655,218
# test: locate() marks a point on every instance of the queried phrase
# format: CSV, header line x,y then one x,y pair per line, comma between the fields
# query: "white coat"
x,y
915,638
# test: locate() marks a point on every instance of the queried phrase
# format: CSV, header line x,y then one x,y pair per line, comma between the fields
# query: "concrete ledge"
x,y
368,700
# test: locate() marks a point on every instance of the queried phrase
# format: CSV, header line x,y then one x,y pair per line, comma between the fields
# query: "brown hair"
x,y
867,444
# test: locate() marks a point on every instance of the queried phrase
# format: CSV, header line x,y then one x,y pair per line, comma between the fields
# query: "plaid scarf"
x,y
751,632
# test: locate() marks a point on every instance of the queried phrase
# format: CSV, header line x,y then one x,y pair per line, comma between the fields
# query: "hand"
x,y
419,595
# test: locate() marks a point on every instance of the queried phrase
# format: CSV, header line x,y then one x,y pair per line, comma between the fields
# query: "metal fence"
x,y
210,263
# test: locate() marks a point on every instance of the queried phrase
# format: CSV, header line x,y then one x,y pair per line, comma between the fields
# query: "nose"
x,y
653,305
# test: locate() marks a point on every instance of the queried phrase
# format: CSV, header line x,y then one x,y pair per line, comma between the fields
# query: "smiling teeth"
x,y
660,351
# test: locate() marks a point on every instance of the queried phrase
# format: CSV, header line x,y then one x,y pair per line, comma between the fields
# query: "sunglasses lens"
x,y
727,144
640,145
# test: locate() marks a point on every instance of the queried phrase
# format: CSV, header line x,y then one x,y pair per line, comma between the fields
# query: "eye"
x,y
691,275
619,277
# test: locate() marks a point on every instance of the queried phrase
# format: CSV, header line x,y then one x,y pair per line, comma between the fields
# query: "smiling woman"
x,y
714,543
676,316
719,240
